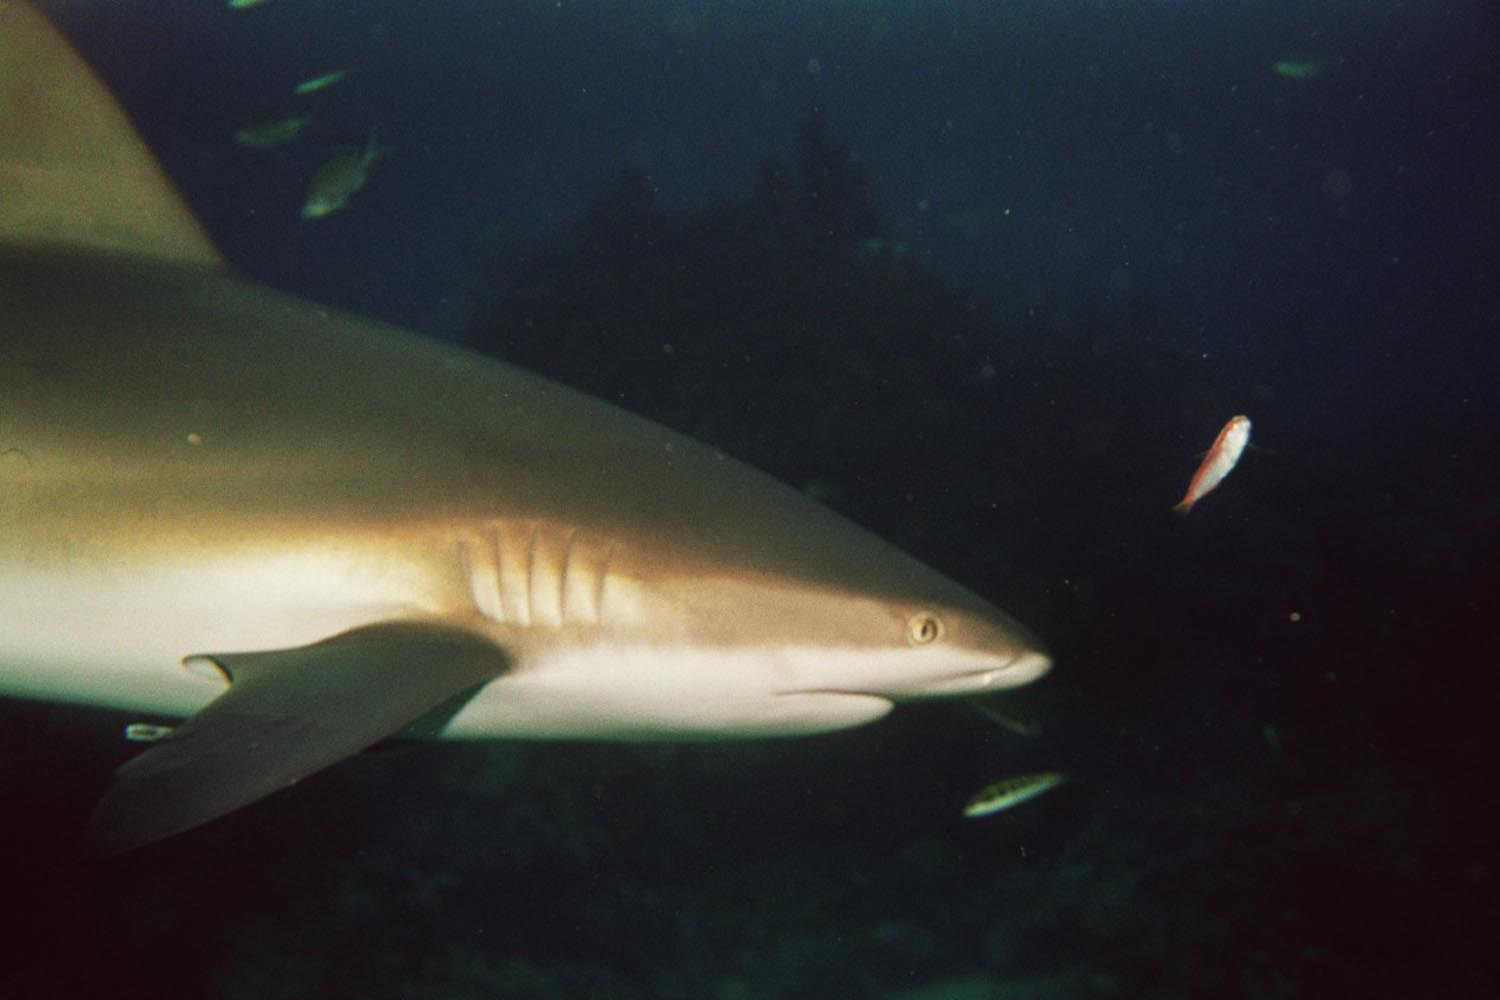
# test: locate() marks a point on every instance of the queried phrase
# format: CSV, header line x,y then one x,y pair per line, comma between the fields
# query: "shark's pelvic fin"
x,y
72,169
287,714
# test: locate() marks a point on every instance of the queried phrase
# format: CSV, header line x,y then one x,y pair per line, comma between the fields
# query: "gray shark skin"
x,y
303,532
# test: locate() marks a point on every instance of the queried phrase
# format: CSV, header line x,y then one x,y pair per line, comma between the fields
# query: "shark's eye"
x,y
924,628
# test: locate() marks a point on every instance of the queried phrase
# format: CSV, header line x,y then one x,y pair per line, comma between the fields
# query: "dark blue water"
x,y
988,277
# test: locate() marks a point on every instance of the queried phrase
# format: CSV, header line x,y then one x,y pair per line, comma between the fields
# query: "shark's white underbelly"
x,y
115,634
629,690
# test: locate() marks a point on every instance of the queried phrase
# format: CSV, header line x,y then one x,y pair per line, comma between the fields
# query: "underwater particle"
x,y
268,131
1294,617
1302,64
242,4
193,438
1011,792
1218,463
336,181
317,83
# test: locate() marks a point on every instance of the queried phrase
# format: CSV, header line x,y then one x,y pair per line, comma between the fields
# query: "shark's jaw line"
x,y
1021,669
654,692
646,692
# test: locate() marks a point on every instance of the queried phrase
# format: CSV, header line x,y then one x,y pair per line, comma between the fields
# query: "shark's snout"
x,y
1021,669
1025,668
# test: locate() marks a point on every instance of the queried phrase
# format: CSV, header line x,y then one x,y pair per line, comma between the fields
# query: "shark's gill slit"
x,y
609,554
531,580
484,577
562,575
500,573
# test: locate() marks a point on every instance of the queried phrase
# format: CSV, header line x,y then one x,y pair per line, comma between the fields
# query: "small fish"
x,y
317,83
146,732
269,131
1217,463
1012,792
336,181
1302,64
1005,714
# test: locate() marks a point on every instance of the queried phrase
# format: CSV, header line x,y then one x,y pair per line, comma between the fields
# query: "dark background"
x,y
986,277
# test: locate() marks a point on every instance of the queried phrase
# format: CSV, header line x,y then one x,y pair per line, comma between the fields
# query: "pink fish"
x,y
1217,463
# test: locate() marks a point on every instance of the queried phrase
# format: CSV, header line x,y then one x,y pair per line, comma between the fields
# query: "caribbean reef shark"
x,y
287,534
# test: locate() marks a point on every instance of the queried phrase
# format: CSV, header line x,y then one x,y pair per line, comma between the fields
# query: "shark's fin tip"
x,y
73,171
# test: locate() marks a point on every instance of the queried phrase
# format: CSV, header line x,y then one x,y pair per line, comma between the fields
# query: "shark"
x,y
286,534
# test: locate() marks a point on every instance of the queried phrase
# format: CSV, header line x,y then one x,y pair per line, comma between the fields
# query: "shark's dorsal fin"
x,y
73,171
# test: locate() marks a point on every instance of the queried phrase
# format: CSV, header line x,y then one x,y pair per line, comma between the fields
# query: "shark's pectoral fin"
x,y
287,714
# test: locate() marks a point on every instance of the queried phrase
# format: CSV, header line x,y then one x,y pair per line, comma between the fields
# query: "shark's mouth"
x,y
1019,670
1022,669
